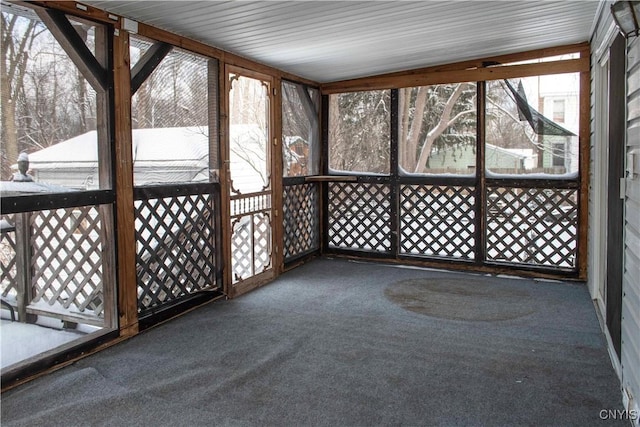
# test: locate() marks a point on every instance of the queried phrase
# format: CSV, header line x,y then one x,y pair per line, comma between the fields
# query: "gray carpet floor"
x,y
339,343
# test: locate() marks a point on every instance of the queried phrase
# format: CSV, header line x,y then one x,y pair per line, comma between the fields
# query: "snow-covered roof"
x,y
157,147
517,153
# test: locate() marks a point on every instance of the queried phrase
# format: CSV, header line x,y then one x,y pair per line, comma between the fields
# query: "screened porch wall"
x,y
533,227
476,218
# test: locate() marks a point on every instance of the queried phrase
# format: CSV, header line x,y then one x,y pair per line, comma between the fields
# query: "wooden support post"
x,y
127,286
584,150
104,131
213,103
225,180
394,168
324,167
277,172
481,179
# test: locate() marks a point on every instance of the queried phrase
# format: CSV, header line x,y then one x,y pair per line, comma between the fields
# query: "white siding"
x,y
630,349
631,281
600,41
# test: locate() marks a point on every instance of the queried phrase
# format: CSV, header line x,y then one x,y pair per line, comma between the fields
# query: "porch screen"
x,y
522,137
359,132
172,131
438,129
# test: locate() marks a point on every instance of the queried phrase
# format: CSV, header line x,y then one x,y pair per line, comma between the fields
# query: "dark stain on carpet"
x,y
461,299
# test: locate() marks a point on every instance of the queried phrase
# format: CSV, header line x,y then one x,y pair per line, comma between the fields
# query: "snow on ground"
x,y
20,341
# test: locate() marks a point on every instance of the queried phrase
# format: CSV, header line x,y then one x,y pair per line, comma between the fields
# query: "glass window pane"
x,y
170,119
438,129
532,126
300,130
52,117
359,127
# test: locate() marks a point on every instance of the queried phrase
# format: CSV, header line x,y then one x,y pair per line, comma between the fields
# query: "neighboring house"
x,y
463,158
160,155
562,107
296,156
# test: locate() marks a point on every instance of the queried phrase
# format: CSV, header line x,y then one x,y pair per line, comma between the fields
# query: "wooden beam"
x,y
145,30
147,64
506,60
309,108
481,62
584,144
75,47
313,114
127,286
458,76
77,9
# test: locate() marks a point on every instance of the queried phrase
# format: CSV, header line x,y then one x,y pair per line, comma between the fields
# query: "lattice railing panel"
x,y
242,247
175,248
250,245
359,216
301,213
532,226
8,280
437,220
261,242
67,259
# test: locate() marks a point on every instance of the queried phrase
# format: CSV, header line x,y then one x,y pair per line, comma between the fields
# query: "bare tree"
x,y
17,38
427,113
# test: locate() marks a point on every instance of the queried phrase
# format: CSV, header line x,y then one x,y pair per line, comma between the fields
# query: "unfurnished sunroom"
x,y
162,158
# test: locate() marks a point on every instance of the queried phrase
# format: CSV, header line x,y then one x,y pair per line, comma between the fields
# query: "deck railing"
x,y
53,265
178,243
530,224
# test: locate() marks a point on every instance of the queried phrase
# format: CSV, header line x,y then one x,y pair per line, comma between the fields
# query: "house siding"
x,y
629,366
595,264
630,349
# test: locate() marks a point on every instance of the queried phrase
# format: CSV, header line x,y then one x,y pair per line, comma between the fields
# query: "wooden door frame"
x,y
275,164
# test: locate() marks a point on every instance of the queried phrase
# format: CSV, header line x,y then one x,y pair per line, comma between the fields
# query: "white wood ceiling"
x,y
335,40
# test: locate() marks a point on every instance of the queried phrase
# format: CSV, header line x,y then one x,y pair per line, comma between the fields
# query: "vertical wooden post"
x,y
104,114
584,161
394,179
125,216
277,171
224,88
23,265
481,179
324,167
213,108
